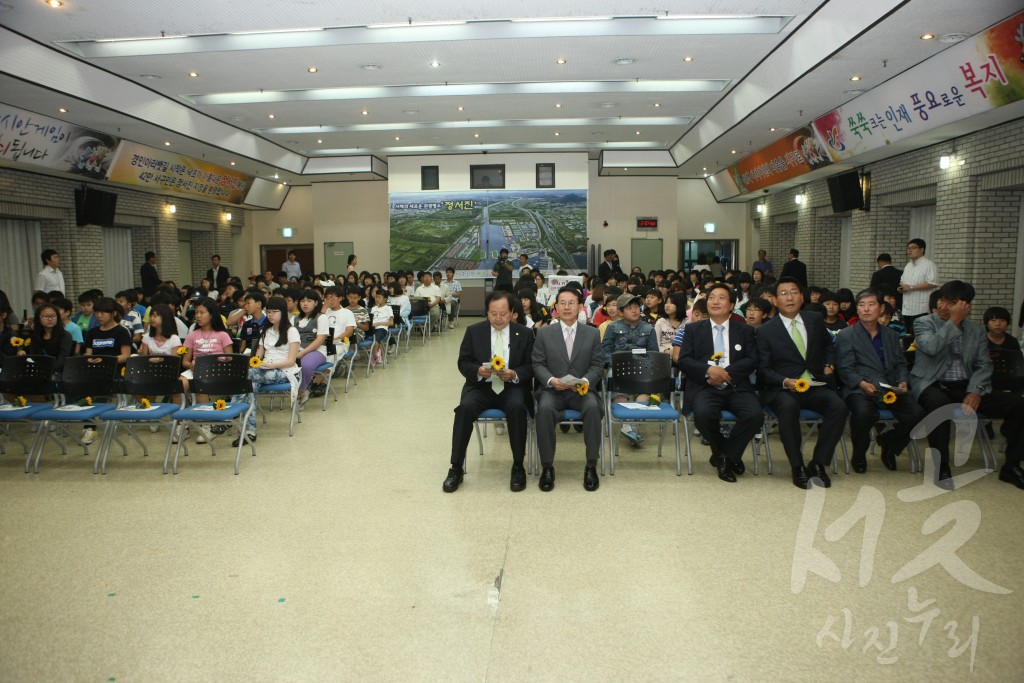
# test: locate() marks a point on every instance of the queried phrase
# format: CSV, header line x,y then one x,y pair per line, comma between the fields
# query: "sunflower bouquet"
x,y
888,398
20,342
143,404
21,401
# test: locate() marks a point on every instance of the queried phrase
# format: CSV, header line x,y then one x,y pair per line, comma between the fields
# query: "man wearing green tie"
x,y
796,362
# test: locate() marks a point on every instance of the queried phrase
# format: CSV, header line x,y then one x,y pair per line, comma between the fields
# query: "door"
x,y
648,254
273,255
336,256
185,258
702,252
846,245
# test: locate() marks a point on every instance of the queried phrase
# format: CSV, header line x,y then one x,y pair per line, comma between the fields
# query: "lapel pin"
x,y
738,347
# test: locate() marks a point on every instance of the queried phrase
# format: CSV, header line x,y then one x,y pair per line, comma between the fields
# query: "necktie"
x,y
497,384
568,341
798,339
719,339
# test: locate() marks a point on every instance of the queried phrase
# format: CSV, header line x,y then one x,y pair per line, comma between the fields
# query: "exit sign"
x,y
646,222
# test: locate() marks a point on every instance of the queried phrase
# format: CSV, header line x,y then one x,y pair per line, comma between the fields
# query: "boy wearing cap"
x,y
626,334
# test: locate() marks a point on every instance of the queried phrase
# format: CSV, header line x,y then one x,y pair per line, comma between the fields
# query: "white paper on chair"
x,y
73,408
637,406
203,408
10,406
141,410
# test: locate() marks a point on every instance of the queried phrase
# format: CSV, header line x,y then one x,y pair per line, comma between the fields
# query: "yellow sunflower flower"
x,y
715,358
17,342
255,362
220,404
497,363
182,350
889,398
144,402
801,386
583,388
21,401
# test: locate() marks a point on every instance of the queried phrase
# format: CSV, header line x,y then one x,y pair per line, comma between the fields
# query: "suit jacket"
x,y
795,268
476,350
778,358
934,337
604,270
890,277
856,360
222,278
550,359
150,279
699,346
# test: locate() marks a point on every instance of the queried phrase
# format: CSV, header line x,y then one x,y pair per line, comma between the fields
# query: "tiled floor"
x,y
334,555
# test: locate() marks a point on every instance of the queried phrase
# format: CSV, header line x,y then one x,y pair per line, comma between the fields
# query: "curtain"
x,y
922,225
20,247
117,250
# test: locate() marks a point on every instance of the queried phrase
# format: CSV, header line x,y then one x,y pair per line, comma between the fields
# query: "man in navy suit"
x,y
507,389
716,383
869,355
795,345
795,268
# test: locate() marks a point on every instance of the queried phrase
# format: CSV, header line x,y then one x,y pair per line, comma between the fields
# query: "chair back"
x,y
24,375
642,373
221,374
89,376
419,308
152,375
396,311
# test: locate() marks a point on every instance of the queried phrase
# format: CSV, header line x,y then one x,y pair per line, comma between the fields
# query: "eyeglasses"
x,y
48,316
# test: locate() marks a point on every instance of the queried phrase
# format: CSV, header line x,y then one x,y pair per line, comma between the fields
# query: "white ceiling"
x,y
505,73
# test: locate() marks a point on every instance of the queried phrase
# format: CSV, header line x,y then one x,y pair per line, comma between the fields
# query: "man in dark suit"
x,y
568,348
888,277
796,346
609,265
148,274
487,387
795,268
722,383
218,274
869,355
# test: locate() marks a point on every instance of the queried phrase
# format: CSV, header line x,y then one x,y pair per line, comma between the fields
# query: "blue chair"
x,y
810,420
642,373
281,391
496,416
888,420
727,418
224,374
24,376
326,371
419,317
83,376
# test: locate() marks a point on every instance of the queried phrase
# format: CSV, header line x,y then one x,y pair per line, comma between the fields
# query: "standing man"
x,y
794,346
502,272
524,262
291,267
50,279
887,277
150,279
795,268
722,383
869,355
455,290
217,274
562,349
610,266
486,387
953,367
920,276
762,263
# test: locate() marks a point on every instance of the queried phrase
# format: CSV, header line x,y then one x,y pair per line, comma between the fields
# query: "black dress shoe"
x,y
1012,474
888,457
518,480
860,464
713,461
738,468
451,484
800,477
590,478
817,471
564,428
251,439
724,468
945,478
547,478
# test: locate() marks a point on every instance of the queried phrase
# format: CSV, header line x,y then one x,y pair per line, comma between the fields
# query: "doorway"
x,y
701,252
273,255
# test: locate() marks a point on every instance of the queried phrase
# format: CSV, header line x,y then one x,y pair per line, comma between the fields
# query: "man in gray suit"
x,y
869,355
568,347
953,367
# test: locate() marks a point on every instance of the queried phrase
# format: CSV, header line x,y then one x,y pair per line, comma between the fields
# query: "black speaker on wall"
x,y
846,192
95,207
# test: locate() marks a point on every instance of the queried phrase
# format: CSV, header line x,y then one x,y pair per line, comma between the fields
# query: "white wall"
x,y
357,213
520,170
296,212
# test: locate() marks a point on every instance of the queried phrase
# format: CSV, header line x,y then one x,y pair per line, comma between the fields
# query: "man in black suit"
x,y
722,383
795,268
609,265
794,346
869,355
218,274
887,276
148,275
486,387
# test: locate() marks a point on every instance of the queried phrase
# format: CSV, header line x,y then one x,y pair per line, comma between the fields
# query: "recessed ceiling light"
x,y
62,110
319,141
705,175
312,69
687,59
557,133
148,77
705,168
560,60
623,61
476,135
952,37
410,112
193,74
232,163
558,105
608,105
270,116
365,112
54,3
733,151
275,176
397,138
928,36
638,132
167,143
435,64
370,67
771,130
657,104
461,107
855,78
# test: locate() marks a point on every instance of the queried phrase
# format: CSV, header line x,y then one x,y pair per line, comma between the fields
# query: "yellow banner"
x,y
142,166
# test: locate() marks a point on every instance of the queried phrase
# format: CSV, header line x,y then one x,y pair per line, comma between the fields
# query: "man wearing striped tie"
x,y
796,361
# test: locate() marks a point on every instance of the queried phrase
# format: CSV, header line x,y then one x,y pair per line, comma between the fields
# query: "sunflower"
x,y
801,385
87,401
21,401
220,404
889,398
28,342
715,358
654,400
582,388
498,363
17,342
255,362
122,371
145,404
182,350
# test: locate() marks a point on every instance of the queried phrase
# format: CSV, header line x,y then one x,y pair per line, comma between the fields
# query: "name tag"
x,y
639,352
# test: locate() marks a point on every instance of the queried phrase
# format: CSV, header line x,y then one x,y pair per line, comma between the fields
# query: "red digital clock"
x,y
647,222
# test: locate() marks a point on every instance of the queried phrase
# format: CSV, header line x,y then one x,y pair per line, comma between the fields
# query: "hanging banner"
x,y
29,138
158,169
793,155
982,73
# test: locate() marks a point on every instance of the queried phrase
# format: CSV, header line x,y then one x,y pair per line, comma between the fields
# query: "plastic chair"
x,y
727,418
282,391
144,376
642,373
419,317
326,371
25,376
224,374
496,416
86,376
810,420
888,420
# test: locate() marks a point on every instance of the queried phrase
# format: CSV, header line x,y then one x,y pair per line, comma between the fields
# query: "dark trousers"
x,y
787,405
908,322
708,405
475,400
864,415
1009,407
550,404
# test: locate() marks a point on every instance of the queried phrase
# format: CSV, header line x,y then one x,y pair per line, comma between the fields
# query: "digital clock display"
x,y
646,222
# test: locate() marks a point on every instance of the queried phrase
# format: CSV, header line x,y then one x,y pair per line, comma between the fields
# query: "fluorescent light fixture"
x,y
498,123
538,20
415,24
275,30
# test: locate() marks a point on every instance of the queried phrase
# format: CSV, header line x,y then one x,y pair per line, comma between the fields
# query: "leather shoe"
x,y
518,480
590,479
547,478
860,464
945,478
738,468
724,468
888,457
800,477
451,484
817,471
1012,474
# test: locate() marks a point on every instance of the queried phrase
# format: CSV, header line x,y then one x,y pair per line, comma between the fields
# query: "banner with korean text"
x,y
158,169
29,138
793,155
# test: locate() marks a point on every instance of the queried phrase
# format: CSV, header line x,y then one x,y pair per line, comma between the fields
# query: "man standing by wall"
x,y
291,267
609,266
150,279
920,276
762,263
795,268
50,279
502,272
217,274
